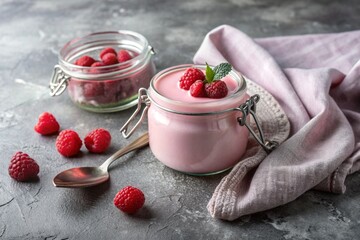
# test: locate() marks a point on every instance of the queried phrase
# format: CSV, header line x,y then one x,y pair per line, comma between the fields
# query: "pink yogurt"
x,y
168,87
195,135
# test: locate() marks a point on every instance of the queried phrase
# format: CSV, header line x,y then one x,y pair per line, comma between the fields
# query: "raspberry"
x,y
47,124
109,59
85,61
68,143
123,56
107,50
98,140
94,66
129,199
98,64
216,89
93,89
22,167
190,76
197,89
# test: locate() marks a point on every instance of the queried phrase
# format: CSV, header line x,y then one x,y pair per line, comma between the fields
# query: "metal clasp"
x,y
142,98
58,82
249,107
152,50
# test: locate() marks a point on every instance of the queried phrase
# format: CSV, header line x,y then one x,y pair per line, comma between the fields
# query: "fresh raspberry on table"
x,y
216,89
190,76
22,167
109,59
68,143
98,140
123,56
47,124
197,89
105,51
129,199
85,61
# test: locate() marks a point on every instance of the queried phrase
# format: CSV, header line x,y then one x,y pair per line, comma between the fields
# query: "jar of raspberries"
x,y
103,71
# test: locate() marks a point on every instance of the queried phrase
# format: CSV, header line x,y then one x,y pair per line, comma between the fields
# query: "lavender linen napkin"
x,y
316,80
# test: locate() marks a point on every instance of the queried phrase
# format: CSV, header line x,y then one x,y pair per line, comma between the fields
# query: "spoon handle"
x,y
138,143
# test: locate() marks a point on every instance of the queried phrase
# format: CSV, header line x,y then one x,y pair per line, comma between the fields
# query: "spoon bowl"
x,y
90,176
81,177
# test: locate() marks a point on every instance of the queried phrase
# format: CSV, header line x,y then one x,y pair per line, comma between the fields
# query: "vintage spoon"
x,y
91,176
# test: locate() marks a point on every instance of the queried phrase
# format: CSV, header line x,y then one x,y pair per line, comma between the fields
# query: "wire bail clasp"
x,y
249,107
142,98
58,82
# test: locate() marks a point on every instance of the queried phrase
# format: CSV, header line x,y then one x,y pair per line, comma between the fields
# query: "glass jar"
x,y
105,88
203,137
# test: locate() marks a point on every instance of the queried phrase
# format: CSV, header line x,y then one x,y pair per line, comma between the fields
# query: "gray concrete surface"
x,y
31,34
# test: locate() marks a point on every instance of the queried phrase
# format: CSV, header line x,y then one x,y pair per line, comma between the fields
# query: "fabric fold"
x,y
315,80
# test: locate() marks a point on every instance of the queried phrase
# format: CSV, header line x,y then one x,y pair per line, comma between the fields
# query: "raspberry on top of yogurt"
x,y
190,76
169,85
208,85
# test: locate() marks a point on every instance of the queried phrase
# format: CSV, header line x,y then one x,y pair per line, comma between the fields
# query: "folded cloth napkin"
x,y
316,80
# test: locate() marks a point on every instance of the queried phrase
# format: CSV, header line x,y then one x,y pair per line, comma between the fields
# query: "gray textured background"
x,y
31,34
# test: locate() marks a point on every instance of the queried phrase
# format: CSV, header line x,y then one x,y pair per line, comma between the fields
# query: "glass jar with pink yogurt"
x,y
107,88
198,136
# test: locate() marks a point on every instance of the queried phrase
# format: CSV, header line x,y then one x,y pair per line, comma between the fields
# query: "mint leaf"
x,y
209,73
221,70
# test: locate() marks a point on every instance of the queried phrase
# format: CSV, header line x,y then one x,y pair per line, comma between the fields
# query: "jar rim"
x,y
66,56
200,107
